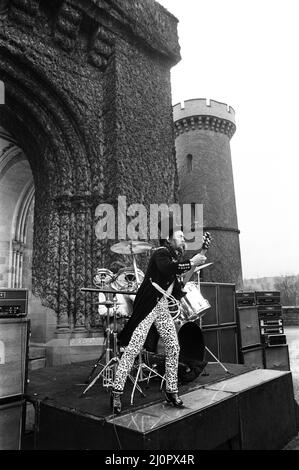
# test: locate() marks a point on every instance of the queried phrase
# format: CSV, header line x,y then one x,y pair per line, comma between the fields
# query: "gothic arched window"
x,y
189,162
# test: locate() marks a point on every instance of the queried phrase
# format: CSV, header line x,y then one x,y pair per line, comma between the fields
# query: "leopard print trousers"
x,y
164,323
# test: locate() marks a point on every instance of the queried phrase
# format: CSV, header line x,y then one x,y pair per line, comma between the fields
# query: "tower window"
x,y
189,162
193,205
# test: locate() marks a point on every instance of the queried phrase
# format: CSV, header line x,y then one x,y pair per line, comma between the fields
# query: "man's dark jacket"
x,y
163,269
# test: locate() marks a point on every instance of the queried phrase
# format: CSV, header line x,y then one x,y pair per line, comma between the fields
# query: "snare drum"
x,y
192,305
123,308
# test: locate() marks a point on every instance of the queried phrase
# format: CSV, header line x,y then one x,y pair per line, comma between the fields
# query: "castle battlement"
x,y
203,107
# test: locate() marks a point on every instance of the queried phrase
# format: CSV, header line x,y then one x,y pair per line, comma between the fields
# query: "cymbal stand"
x,y
98,363
217,360
111,355
110,362
152,373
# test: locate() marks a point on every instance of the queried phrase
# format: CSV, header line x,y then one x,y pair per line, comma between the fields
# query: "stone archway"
x,y
16,230
16,204
64,196
22,240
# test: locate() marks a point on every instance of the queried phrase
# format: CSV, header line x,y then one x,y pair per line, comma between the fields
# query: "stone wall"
x,y
290,315
88,99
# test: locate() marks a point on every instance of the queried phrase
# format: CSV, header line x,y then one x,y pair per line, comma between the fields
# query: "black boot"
x,y
115,401
173,398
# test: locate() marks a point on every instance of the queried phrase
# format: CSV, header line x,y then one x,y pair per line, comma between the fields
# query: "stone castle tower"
x,y
202,139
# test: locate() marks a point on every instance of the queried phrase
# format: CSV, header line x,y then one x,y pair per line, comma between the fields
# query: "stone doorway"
x,y
16,215
16,233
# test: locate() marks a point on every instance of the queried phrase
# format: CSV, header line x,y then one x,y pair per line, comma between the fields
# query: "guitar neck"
x,y
189,274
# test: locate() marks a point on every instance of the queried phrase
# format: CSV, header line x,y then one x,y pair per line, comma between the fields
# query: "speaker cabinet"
x,y
222,342
253,357
226,304
11,425
219,323
14,335
277,357
228,345
248,326
211,340
209,292
222,300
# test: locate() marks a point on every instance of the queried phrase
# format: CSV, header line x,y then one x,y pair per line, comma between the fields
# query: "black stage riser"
x,y
60,429
260,417
11,422
197,431
267,415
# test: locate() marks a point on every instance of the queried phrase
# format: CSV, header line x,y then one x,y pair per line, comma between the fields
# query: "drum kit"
x,y
116,294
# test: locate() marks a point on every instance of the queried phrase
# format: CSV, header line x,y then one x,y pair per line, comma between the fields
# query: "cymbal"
x,y
202,266
108,302
107,291
130,247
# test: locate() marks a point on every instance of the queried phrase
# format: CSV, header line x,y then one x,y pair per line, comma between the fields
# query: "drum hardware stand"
x,y
217,360
210,352
101,284
98,363
108,371
142,365
200,324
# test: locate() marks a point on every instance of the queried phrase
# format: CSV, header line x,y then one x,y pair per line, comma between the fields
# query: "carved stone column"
x,y
17,263
63,324
80,208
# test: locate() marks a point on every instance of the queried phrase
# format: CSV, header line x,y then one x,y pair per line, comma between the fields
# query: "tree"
x,y
289,289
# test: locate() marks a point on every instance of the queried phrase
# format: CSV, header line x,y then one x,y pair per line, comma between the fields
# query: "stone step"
x,y
35,364
37,357
36,352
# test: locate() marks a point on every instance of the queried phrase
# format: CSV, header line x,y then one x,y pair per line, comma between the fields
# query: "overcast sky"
x,y
245,53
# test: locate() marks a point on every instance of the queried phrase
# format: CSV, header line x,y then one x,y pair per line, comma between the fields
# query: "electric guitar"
x,y
206,241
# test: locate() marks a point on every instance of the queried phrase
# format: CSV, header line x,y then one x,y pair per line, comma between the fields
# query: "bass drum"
x,y
191,341
192,351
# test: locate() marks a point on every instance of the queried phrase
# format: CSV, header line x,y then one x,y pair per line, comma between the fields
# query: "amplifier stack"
x,y
13,303
244,299
14,340
267,308
270,318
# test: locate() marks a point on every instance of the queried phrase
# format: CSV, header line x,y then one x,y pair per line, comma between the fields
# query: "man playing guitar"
x,y
151,307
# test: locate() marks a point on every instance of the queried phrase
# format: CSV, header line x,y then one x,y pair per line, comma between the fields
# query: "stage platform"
x,y
243,409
